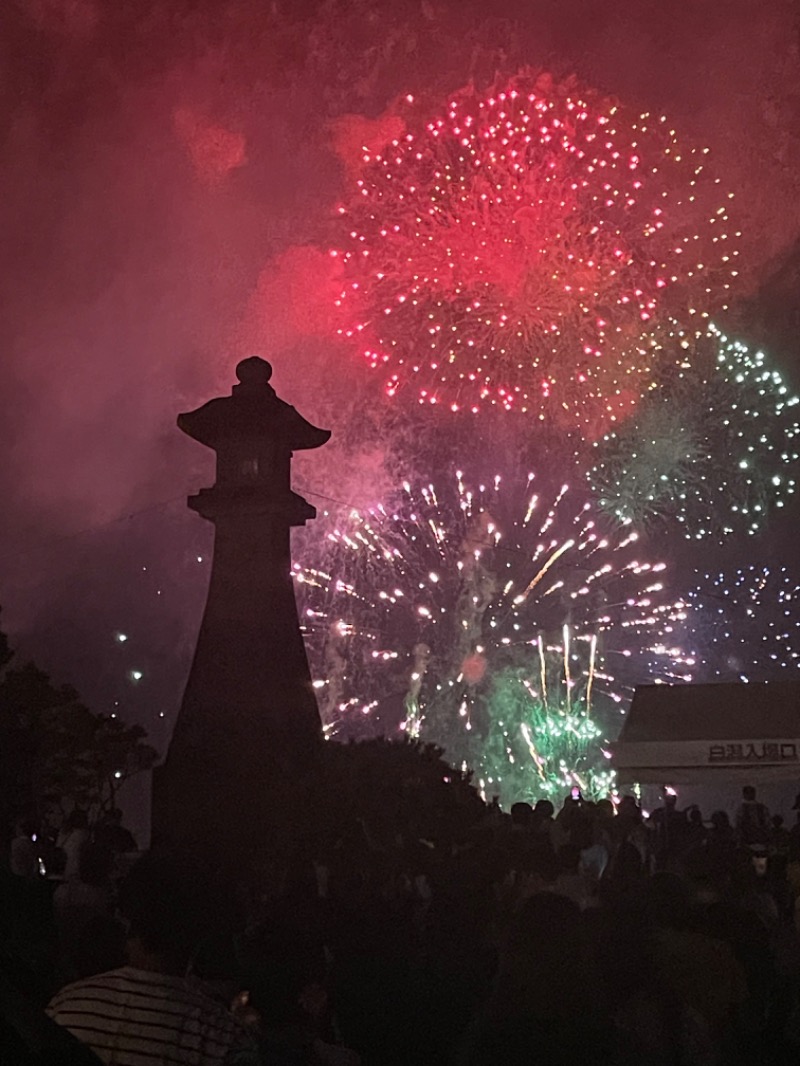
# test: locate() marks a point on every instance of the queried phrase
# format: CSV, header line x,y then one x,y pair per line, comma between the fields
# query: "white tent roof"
x,y
696,734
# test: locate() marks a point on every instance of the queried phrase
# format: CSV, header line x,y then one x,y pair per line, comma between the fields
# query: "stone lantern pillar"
x,y
249,715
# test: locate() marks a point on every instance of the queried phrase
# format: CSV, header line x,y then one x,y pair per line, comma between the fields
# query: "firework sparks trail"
x,y
518,248
463,591
744,624
714,449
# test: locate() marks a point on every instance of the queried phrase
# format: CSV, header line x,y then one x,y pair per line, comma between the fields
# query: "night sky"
x,y
167,181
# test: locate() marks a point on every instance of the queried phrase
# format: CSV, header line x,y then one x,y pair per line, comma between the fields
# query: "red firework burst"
x,y
519,248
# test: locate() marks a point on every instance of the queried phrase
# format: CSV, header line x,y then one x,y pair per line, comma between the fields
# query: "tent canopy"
x,y
697,734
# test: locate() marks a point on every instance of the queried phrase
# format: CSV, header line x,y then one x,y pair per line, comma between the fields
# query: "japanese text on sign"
x,y
762,751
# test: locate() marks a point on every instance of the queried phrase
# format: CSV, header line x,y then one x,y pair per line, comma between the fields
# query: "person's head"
x,y
25,827
95,865
706,892
544,809
581,830
628,865
569,859
284,978
777,821
695,816
629,808
748,793
542,927
77,819
670,798
521,814
99,946
163,901
668,901
720,820
604,809
559,1042
759,861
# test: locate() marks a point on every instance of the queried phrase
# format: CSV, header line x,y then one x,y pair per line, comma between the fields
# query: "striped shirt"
x,y
133,1017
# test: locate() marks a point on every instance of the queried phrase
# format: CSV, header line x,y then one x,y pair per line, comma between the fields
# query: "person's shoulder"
x,y
22,844
188,989
129,978
198,998
127,981
78,989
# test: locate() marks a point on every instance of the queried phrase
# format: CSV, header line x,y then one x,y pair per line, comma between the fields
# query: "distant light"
x,y
121,637
136,675
117,774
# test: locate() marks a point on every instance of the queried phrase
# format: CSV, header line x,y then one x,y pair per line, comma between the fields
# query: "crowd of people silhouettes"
x,y
593,934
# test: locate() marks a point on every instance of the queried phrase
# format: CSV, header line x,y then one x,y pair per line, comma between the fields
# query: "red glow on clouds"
x,y
213,150
70,18
352,135
294,299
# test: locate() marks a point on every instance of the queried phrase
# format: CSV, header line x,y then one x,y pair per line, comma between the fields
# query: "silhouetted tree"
x,y
394,788
54,750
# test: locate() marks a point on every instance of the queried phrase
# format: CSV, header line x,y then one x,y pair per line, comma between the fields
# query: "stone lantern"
x,y
249,715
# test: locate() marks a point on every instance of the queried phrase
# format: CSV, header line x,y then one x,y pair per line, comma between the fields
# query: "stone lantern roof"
x,y
253,411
